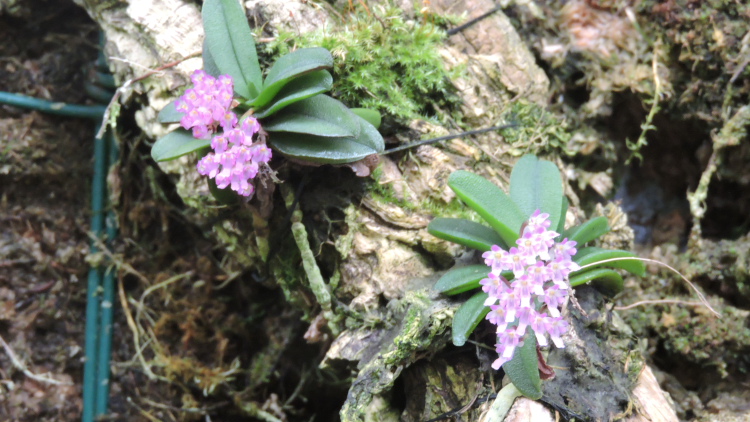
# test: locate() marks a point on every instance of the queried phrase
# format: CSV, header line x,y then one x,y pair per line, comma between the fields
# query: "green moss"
x,y
696,336
705,39
384,62
419,330
288,274
537,130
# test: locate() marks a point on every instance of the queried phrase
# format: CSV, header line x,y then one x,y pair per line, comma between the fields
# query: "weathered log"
x,y
386,262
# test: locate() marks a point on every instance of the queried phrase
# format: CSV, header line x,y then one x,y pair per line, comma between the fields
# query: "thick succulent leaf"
x,y
289,67
169,114
563,213
607,281
466,233
523,368
588,231
175,144
536,185
463,279
320,115
209,65
231,46
491,203
468,316
370,136
305,86
372,116
592,255
328,150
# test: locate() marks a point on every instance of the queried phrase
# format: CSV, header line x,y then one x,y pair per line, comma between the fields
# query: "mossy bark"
x,y
372,287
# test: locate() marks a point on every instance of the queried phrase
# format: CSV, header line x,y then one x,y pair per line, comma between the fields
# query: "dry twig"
x,y
20,366
700,295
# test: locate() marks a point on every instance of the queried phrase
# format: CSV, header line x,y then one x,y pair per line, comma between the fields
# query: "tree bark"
x,y
386,262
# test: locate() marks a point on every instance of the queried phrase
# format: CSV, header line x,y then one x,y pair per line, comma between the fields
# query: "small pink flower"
x,y
250,126
493,285
565,249
539,273
494,258
532,243
208,166
219,143
498,316
526,316
511,301
554,297
261,153
500,361
525,287
539,326
515,261
201,132
539,219
228,120
556,328
507,341
559,269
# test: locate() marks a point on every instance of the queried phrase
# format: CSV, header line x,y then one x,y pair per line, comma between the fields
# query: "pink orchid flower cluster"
x,y
538,289
236,158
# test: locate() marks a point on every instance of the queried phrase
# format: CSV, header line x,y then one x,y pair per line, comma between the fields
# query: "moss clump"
x,y
537,129
419,329
382,61
692,335
709,40
701,338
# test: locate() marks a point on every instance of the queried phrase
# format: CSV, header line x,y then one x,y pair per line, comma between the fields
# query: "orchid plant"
x,y
531,262
233,114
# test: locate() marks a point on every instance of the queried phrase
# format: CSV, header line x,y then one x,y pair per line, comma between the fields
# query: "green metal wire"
x,y
101,282
101,295
107,302
62,109
93,298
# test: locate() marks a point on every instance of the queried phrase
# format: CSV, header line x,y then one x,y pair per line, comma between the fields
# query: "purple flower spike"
x,y
541,269
236,156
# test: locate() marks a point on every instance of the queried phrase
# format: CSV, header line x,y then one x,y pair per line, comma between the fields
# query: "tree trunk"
x,y
375,301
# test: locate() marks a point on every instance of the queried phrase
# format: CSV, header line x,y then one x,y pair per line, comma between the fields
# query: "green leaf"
x,y
536,185
466,233
169,114
523,368
231,46
463,279
608,281
588,230
320,115
592,255
491,203
299,89
372,116
175,144
329,150
209,65
290,66
468,316
563,213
